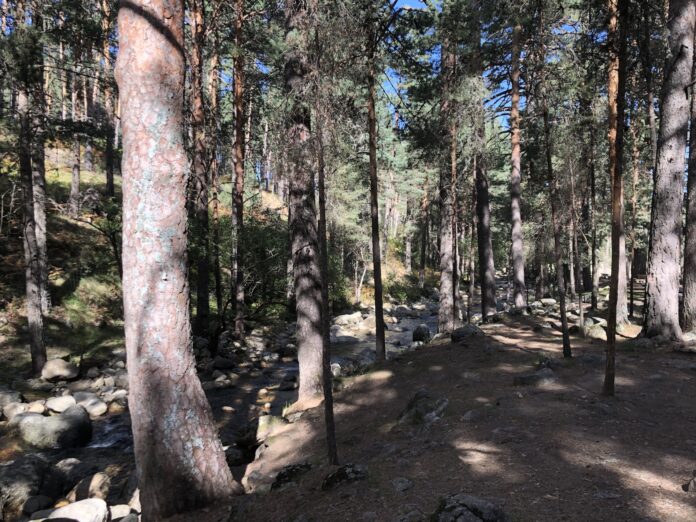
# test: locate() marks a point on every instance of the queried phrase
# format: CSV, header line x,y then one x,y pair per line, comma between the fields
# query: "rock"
x,y
473,415
36,503
13,408
596,331
119,512
401,484
268,424
548,301
421,333
89,510
23,478
288,474
344,474
223,363
95,486
60,404
59,369
466,331
348,319
72,428
37,407
9,396
423,409
467,508
538,377
92,403
73,470
93,372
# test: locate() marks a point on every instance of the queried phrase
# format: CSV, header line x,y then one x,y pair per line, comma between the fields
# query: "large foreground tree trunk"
x,y
662,292
303,216
519,291
180,462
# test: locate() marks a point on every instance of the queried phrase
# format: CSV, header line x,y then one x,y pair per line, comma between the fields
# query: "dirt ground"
x,y
555,451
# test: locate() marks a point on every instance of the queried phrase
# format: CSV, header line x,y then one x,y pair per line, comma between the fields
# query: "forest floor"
x,y
555,451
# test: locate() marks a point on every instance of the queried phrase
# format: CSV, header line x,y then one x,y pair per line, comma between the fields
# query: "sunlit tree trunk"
x,y
662,292
108,99
519,291
179,459
74,203
214,97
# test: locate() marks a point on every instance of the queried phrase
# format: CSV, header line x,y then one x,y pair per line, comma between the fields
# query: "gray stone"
x,y
19,480
423,409
93,372
540,376
467,508
89,510
72,428
348,319
13,408
288,474
596,331
465,332
60,404
94,486
344,474
59,369
421,333
119,511
548,301
9,396
92,403
401,484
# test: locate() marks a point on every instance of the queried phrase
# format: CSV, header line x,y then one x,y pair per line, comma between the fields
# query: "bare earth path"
x,y
554,451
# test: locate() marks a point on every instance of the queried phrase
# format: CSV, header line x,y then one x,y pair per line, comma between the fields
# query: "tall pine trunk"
x,y
303,217
519,291
617,75
108,124
239,158
179,459
662,292
200,170
380,348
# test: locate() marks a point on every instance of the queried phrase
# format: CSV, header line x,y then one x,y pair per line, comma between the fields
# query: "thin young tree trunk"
x,y
239,158
689,272
519,289
380,349
179,459
108,99
214,97
618,19
75,179
471,260
200,171
576,250
303,216
635,165
593,222
662,292
425,214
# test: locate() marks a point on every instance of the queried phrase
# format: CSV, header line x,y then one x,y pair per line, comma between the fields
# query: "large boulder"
x,y
89,510
60,404
59,370
421,333
24,478
596,331
465,332
348,319
70,429
467,508
92,403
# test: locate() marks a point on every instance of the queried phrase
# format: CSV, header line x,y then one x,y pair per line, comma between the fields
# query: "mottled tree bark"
x,y
179,459
303,216
239,158
200,176
485,242
662,292
593,222
519,291
618,18
108,124
380,348
214,96
447,315
425,214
